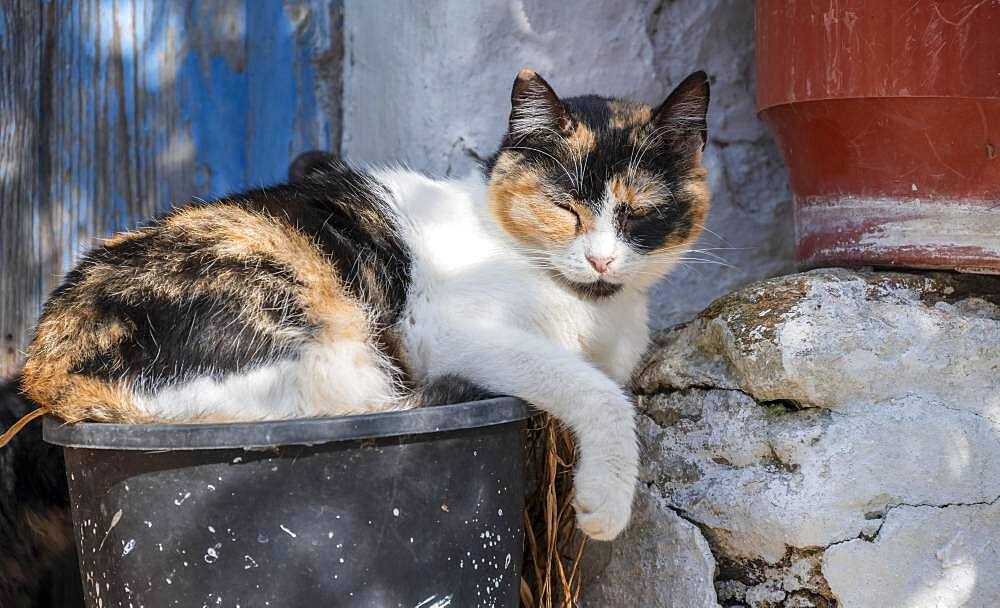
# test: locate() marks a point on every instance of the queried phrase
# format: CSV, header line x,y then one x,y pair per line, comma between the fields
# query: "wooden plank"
x,y
20,55
286,38
133,106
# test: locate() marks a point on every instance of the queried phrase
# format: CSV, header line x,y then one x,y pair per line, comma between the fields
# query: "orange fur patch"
x,y
74,398
525,212
121,237
638,190
582,140
695,189
66,334
248,236
622,190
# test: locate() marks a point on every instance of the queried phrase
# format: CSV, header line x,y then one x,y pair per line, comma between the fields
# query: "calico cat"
x,y
352,291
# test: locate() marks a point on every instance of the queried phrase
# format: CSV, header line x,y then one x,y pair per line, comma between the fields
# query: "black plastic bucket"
x,y
421,508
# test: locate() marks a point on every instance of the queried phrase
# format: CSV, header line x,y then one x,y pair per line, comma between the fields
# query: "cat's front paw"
x,y
603,501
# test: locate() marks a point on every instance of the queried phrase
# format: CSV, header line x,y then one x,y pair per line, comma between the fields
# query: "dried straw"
x,y
553,546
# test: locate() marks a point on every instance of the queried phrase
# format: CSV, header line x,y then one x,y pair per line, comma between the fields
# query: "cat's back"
x,y
243,299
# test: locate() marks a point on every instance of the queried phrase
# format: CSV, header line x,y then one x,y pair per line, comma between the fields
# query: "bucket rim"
x,y
275,433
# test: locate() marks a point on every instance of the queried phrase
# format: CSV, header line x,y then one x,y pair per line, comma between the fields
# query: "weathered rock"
x,y
796,421
675,565
923,556
833,337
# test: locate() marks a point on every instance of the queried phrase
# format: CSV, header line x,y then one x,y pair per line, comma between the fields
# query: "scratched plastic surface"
x,y
428,520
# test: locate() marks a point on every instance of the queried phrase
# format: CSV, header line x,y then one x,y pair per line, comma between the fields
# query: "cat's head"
x,y
602,193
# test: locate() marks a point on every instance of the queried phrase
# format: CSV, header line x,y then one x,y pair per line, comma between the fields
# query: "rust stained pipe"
x,y
888,115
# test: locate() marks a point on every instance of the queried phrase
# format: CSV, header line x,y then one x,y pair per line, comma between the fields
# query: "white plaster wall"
x,y
428,84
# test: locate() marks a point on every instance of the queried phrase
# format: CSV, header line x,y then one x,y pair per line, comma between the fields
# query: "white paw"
x,y
603,500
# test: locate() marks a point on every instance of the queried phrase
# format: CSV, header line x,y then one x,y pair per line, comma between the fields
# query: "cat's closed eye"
x,y
563,204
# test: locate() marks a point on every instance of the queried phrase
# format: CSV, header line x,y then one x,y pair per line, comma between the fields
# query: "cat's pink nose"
x,y
600,263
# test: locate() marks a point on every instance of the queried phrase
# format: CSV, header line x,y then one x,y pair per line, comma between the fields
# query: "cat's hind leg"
x,y
336,379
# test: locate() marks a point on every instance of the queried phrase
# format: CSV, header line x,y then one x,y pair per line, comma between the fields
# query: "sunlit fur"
x,y
352,291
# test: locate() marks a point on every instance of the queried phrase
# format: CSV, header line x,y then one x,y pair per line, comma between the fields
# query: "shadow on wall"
x,y
750,230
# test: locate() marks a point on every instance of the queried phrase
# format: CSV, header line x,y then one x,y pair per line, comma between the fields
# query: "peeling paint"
x,y
911,231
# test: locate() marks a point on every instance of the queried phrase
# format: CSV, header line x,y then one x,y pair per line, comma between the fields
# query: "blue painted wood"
x,y
126,107
20,56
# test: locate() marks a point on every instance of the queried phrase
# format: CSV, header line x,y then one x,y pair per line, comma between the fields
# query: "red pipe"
x,y
888,115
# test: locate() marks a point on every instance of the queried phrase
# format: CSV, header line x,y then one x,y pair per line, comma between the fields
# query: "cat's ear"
x,y
535,109
685,111
310,163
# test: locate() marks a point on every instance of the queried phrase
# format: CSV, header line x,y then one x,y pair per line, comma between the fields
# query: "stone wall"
x,y
428,84
823,439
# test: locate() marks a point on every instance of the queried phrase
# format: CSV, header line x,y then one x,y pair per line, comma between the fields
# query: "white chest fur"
x,y
465,268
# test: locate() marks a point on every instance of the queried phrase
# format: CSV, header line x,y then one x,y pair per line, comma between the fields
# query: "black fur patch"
x,y
445,390
595,290
198,329
344,211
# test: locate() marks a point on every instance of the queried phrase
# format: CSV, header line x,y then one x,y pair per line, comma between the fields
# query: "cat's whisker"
x,y
712,232
707,262
683,253
684,247
706,252
716,260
